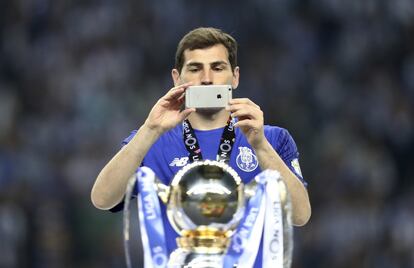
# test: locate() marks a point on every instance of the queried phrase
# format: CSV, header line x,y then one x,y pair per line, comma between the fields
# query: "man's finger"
x,y
244,123
243,101
185,85
186,112
176,91
181,98
237,107
244,113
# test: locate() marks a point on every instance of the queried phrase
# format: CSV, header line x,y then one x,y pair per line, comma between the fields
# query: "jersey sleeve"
x,y
285,146
129,138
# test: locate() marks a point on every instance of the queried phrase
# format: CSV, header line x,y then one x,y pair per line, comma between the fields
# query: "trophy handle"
x,y
287,224
163,191
126,218
250,189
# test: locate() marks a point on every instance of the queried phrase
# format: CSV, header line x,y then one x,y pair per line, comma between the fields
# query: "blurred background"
x,y
77,76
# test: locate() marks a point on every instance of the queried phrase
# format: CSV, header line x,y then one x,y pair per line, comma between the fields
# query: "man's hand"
x,y
250,120
110,185
251,124
167,113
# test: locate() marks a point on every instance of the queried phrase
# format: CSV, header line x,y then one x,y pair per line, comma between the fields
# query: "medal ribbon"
x,y
226,142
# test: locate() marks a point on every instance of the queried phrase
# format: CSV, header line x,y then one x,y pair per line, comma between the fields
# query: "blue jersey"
x,y
169,154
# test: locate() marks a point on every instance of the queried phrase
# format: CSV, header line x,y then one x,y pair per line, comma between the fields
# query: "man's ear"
x,y
176,77
236,75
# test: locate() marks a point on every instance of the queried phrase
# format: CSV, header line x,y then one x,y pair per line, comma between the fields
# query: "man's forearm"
x,y
110,185
269,159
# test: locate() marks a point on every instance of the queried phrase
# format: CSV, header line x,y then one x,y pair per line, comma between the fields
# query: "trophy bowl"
x,y
206,203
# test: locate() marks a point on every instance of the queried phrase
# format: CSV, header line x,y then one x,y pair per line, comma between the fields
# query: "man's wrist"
x,y
262,145
151,129
142,141
151,132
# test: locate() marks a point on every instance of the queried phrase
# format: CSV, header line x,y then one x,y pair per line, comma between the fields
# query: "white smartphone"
x,y
210,96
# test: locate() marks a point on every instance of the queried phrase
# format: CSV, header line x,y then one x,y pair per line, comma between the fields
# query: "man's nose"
x,y
206,78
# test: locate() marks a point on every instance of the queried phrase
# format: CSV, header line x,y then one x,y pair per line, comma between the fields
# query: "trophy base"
x,y
185,258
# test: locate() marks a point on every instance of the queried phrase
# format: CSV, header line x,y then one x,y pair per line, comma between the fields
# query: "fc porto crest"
x,y
246,160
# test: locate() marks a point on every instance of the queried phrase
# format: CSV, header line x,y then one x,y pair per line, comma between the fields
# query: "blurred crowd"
x,y
77,76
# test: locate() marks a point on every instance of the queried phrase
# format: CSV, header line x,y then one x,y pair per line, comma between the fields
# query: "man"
x,y
204,56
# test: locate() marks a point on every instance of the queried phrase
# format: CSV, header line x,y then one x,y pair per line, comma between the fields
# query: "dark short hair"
x,y
206,37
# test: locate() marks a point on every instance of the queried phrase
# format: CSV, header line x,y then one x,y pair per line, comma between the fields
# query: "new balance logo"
x,y
179,162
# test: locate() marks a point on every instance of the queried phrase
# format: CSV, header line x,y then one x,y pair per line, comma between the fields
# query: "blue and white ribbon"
x,y
263,218
155,251
273,229
248,232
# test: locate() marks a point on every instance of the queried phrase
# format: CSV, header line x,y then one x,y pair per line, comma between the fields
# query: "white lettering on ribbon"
x,y
273,229
155,252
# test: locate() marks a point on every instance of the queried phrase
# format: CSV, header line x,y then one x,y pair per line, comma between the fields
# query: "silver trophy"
x,y
205,202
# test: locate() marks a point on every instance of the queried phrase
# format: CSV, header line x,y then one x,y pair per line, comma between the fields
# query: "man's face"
x,y
208,66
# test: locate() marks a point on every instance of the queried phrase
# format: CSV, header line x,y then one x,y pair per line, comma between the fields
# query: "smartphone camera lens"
x,y
218,96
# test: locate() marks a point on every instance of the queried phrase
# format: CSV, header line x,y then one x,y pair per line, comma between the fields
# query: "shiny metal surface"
x,y
206,194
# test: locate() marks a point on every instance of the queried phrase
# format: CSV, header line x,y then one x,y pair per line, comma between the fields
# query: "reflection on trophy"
x,y
206,202
220,221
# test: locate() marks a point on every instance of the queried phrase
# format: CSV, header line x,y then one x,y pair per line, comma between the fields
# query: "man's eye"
x,y
218,69
193,70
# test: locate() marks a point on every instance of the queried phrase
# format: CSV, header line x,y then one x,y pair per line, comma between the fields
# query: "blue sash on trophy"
x,y
263,216
155,251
